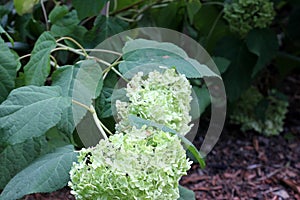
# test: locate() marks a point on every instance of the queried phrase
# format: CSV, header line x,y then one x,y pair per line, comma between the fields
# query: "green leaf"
x,y
8,70
237,77
199,104
264,44
82,82
16,157
58,13
24,6
88,8
46,174
193,6
148,53
222,63
186,194
139,122
7,35
38,67
29,112
104,27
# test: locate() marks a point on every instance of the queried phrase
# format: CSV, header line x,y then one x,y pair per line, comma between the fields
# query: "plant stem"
x,y
98,123
55,62
25,56
75,42
213,27
107,9
103,50
45,15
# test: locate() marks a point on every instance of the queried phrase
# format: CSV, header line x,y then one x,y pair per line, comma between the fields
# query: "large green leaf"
x,y
199,104
29,112
237,77
16,157
38,67
8,70
104,27
149,53
88,8
186,194
193,6
24,6
46,174
264,44
66,23
139,122
82,82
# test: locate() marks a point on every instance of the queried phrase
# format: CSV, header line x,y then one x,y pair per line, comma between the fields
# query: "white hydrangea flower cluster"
x,y
162,97
244,113
144,164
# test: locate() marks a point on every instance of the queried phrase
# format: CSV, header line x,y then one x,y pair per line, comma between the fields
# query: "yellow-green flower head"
x,y
143,164
245,15
160,97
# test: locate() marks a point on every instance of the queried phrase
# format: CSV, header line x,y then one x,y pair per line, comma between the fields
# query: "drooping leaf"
x,y
264,44
24,6
29,112
82,82
186,194
104,27
48,173
193,6
89,8
14,158
38,67
237,77
139,122
7,35
141,52
8,70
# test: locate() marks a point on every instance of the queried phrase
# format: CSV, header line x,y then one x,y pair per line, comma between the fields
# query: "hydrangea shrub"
x,y
244,113
143,164
245,15
160,97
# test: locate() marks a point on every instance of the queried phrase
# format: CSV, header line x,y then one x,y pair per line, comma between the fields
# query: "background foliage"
x,y
260,57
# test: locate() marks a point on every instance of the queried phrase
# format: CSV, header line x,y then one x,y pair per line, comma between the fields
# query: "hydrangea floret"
x,y
160,97
244,113
245,15
143,164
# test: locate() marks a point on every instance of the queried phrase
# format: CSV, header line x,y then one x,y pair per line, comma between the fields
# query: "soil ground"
x,y
244,166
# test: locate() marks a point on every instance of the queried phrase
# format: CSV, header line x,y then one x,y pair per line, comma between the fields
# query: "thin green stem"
x,y
84,106
103,50
213,27
55,62
213,3
107,9
25,56
98,123
45,15
106,129
75,42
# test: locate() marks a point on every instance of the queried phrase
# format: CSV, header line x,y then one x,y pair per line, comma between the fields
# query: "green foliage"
x,y
24,6
89,7
245,15
8,70
38,67
141,52
47,173
186,194
264,115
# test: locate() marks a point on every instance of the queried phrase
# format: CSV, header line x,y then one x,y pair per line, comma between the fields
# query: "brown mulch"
x,y
243,166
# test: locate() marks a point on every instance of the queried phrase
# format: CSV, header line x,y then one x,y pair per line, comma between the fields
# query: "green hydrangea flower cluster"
x,y
245,15
244,113
144,164
162,97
